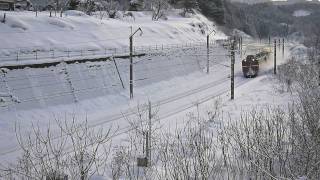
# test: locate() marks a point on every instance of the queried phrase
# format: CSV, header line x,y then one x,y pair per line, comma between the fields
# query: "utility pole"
x,y
131,61
208,50
150,129
269,40
232,67
318,69
208,55
275,57
241,44
131,68
282,47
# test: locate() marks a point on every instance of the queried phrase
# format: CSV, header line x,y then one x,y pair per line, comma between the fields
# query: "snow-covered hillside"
x,y
25,36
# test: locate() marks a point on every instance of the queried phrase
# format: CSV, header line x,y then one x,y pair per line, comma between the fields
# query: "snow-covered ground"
x,y
301,13
174,89
173,79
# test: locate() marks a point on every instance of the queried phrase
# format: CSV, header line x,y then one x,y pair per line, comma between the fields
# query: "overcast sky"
x,y
257,1
290,0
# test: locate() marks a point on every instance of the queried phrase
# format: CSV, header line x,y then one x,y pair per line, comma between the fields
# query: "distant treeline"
x,y
264,20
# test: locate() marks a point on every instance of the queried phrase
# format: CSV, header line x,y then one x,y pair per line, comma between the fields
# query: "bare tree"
x,y
72,150
89,148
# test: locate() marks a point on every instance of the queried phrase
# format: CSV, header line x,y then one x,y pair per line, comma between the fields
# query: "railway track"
x,y
185,107
131,111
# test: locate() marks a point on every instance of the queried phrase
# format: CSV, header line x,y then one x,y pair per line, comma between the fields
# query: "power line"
x,y
161,102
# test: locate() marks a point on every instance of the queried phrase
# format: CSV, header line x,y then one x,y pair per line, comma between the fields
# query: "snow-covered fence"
x,y
49,54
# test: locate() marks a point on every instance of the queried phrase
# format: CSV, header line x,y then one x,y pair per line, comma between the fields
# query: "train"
x,y
251,64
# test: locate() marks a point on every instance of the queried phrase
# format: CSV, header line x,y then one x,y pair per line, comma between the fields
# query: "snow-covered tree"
x,y
75,151
107,8
87,6
159,7
137,5
112,7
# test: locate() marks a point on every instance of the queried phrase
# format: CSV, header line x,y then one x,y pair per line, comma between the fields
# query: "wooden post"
x,y
275,57
232,67
131,68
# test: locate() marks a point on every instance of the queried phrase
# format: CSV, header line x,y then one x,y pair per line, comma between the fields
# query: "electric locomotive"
x,y
250,65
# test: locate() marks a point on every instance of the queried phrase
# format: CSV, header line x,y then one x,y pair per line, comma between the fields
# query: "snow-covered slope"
x,y
75,33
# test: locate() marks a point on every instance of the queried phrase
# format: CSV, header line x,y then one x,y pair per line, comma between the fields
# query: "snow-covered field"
x,y
173,79
301,13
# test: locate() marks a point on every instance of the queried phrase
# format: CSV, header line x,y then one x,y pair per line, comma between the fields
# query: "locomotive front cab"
x,y
250,66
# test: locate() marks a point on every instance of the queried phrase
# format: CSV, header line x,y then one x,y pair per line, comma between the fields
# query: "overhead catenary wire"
x,y
188,48
162,102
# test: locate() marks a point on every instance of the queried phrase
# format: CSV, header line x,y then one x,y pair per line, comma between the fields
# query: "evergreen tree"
x,y
187,5
190,4
73,4
213,9
136,5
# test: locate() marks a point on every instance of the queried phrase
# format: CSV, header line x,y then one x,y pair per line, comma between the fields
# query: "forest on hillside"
x,y
258,20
